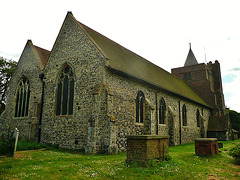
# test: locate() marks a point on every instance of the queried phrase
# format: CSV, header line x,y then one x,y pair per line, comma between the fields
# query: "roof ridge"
x,y
126,61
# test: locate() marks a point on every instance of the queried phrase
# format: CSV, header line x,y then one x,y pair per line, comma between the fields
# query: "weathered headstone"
x,y
15,135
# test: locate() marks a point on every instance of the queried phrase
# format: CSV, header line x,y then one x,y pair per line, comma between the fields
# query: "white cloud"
x,y
231,91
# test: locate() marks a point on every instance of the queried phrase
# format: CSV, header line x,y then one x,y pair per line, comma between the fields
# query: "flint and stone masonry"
x,y
107,79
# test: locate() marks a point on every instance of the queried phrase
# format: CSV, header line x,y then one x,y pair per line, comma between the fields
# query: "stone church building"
x,y
89,92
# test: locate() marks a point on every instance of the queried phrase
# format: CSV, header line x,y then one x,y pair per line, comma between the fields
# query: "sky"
x,y
158,30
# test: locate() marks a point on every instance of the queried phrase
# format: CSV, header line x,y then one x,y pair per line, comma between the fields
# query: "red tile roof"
x,y
43,54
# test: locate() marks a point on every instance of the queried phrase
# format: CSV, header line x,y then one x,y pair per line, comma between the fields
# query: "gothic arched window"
x,y
198,118
162,111
139,107
65,92
184,115
22,98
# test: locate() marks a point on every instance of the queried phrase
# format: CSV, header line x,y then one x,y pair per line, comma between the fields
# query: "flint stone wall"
x,y
27,126
72,47
125,89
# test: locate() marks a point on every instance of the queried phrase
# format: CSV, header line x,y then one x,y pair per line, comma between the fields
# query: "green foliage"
x,y
29,145
235,152
6,145
7,68
235,119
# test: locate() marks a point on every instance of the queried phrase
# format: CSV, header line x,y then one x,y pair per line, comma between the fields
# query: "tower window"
x,y
187,76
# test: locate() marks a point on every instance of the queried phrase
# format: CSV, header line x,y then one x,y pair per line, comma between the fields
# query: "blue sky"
x,y
157,30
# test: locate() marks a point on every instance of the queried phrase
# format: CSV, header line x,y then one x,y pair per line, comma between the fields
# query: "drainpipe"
x,y
41,76
156,113
180,124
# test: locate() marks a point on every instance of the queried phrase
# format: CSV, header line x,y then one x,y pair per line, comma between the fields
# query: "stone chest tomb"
x,y
146,147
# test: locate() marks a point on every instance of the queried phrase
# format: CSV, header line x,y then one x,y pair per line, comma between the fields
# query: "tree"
x,y
235,119
7,68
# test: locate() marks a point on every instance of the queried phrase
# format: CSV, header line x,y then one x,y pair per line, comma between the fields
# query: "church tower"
x,y
206,80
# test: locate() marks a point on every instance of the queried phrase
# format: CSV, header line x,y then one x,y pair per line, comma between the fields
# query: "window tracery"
x,y
65,92
22,98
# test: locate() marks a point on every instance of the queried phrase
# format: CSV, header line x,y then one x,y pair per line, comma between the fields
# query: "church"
x,y
89,93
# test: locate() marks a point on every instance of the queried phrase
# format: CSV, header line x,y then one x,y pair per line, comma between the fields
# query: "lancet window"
x,y
162,111
184,115
140,107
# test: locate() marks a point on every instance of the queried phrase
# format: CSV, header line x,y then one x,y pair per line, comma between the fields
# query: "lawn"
x,y
63,164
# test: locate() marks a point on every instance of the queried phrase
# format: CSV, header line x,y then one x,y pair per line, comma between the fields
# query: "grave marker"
x,y
15,135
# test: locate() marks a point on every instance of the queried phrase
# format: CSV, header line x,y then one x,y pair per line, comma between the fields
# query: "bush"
x,y
29,145
6,145
235,152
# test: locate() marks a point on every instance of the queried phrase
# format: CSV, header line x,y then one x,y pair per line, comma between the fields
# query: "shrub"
x,y
6,145
235,152
29,145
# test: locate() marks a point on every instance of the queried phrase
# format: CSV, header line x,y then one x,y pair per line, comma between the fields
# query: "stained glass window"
x,y
65,92
22,98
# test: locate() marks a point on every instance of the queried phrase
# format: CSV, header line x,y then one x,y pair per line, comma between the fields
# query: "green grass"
x,y
59,164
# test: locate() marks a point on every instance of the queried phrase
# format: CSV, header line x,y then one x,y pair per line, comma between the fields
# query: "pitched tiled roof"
x,y
43,54
126,61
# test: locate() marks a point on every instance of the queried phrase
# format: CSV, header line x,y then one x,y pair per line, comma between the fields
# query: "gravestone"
x,y
15,136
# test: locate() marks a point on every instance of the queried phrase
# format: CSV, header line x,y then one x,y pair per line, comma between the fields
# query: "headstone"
x,y
15,135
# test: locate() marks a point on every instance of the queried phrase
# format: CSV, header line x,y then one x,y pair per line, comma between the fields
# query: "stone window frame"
x,y
184,115
22,98
140,107
198,117
162,111
65,93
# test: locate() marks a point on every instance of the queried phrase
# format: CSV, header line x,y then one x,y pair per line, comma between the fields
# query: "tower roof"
x,y
191,60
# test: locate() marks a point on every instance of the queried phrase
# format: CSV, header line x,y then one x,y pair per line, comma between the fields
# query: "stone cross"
x,y
15,135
